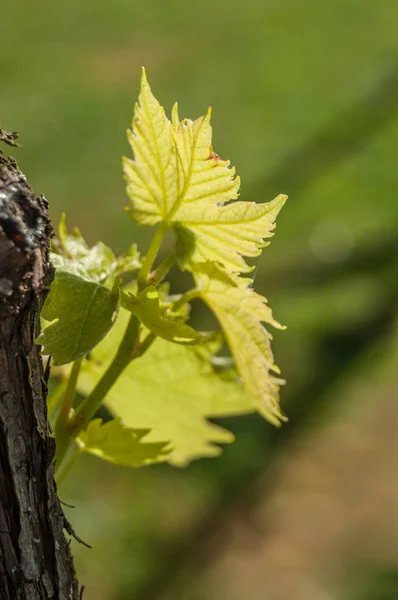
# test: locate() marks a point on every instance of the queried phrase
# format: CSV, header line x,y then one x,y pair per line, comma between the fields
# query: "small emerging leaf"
x,y
146,307
82,312
128,262
116,443
72,254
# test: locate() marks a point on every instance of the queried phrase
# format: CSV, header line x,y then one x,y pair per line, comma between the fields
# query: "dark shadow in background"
x,y
343,137
336,353
376,584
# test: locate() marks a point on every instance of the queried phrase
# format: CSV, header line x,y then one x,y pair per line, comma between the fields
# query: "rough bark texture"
x,y
35,560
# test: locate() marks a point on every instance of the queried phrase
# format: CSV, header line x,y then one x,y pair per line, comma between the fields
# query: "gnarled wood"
x,y
35,560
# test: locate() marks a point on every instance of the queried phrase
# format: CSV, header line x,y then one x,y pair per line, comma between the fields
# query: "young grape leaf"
x,y
241,312
176,178
224,234
81,314
117,443
127,262
84,300
171,390
146,307
72,254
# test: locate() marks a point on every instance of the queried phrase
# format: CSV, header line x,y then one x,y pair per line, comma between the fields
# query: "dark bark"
x,y
35,560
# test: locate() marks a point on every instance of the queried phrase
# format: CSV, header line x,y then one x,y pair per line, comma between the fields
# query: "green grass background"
x,y
302,104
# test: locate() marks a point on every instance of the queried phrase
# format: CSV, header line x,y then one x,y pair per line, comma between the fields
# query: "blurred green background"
x,y
305,101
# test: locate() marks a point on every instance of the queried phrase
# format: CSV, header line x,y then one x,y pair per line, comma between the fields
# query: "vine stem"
x,y
187,297
161,271
68,427
147,342
129,349
68,466
61,424
126,352
56,395
151,255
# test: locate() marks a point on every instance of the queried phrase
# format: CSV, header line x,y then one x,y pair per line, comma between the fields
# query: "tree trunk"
x,y
35,560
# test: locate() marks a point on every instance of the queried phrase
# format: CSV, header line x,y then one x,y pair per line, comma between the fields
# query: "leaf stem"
x,y
55,396
185,298
161,271
127,351
151,255
68,428
61,424
68,466
146,343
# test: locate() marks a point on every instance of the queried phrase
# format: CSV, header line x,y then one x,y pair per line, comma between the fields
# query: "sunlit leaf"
x,y
72,254
171,390
81,313
177,178
117,443
147,308
151,177
241,312
224,234
127,262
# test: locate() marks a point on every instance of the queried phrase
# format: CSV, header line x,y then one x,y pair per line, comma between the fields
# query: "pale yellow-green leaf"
x,y
83,301
171,390
146,307
151,179
203,178
241,313
80,313
71,254
129,261
117,443
224,234
177,178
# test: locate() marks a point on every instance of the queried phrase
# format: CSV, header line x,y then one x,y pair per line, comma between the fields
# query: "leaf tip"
x,y
145,87
175,119
62,229
276,205
281,199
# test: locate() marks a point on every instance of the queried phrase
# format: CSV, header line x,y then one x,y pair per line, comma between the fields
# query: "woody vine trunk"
x,y
35,559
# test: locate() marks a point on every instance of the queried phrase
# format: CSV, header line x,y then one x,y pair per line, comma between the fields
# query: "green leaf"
x,y
82,312
176,178
72,254
128,262
224,234
146,307
241,312
116,443
171,390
